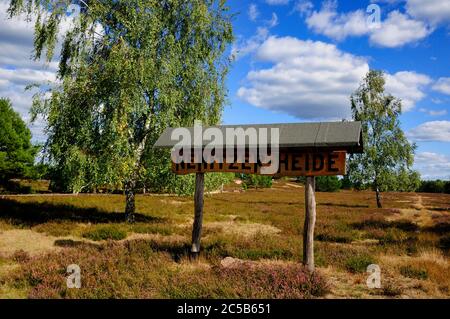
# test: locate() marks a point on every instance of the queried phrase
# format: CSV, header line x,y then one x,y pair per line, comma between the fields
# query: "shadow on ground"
x,y
32,213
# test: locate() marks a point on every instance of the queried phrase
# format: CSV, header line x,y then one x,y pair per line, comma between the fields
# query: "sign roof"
x,y
346,136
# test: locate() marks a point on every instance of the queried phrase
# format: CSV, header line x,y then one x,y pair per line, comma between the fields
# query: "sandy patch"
x,y
242,229
174,202
432,255
155,237
294,185
418,214
27,240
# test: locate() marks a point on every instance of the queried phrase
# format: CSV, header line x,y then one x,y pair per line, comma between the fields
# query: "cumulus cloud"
x,y
432,11
438,131
336,25
408,86
442,85
314,80
399,29
17,69
253,12
308,79
396,30
432,165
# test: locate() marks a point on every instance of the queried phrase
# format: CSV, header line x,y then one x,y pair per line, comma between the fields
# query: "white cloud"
x,y
277,2
442,85
309,79
23,77
17,69
313,79
432,165
438,131
245,47
433,112
408,86
399,29
432,11
303,7
337,26
253,12
396,30
273,21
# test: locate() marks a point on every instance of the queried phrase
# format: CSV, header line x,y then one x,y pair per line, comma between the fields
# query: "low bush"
x,y
328,184
137,269
391,290
105,233
20,256
250,281
411,272
359,263
256,181
337,232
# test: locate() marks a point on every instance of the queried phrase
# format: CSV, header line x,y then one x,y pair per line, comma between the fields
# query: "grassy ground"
x,y
260,230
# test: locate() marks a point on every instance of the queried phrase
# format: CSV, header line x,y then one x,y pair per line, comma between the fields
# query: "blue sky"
x,y
299,60
410,43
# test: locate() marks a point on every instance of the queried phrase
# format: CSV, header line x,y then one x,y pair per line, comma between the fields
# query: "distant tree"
x,y
437,186
16,151
346,183
447,187
256,181
128,70
328,183
387,155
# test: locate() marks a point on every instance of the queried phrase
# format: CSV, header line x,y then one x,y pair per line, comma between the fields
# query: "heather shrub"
x,y
392,290
411,272
394,235
250,281
20,256
359,263
336,232
136,269
105,233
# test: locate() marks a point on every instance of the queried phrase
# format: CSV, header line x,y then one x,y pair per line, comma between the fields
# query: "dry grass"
x,y
26,240
258,227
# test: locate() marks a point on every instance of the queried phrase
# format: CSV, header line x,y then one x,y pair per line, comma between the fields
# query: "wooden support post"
x,y
310,220
198,217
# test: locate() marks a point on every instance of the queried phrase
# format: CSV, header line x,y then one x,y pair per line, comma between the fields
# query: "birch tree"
x,y
388,156
127,70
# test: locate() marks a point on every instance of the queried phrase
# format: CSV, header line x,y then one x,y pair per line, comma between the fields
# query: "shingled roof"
x,y
337,135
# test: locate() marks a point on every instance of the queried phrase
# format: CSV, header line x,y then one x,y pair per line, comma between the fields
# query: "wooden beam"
x,y
198,214
310,220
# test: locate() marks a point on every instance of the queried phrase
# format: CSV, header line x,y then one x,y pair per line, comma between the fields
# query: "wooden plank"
x,y
310,221
198,214
291,163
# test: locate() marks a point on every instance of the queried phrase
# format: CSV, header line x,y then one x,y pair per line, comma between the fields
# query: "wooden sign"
x,y
291,163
